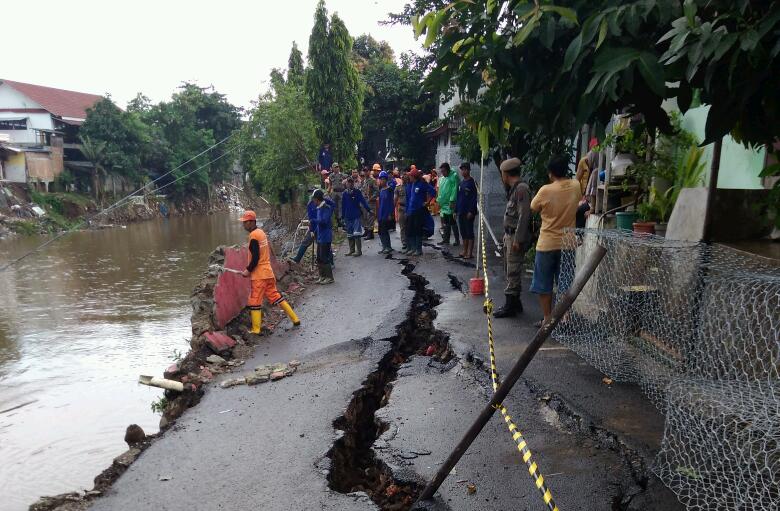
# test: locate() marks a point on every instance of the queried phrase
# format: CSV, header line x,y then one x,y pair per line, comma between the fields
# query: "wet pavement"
x,y
267,446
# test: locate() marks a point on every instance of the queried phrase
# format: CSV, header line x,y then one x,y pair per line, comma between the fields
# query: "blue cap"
x,y
384,175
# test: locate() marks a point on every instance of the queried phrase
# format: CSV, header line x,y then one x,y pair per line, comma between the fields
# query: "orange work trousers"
x,y
263,288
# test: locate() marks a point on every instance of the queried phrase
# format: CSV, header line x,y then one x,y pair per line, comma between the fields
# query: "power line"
x,y
125,199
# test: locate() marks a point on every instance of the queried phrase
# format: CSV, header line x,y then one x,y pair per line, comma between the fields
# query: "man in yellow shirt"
x,y
263,279
557,205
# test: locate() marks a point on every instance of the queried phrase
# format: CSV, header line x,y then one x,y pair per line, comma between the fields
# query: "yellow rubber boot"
x,y
290,313
257,320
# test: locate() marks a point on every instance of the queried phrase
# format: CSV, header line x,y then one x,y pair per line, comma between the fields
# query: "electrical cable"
x,y
125,199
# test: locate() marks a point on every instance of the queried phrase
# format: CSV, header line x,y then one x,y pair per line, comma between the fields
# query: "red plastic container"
x,y
477,286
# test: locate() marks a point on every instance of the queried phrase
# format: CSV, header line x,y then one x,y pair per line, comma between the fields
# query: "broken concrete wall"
x,y
221,296
231,290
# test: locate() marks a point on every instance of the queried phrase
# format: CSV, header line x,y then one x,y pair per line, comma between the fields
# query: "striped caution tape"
x,y
517,436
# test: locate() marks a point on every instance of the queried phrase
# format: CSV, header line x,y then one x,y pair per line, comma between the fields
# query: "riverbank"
x,y
26,212
80,321
196,368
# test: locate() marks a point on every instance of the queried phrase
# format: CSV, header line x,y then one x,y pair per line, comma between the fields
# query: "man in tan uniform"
x,y
517,235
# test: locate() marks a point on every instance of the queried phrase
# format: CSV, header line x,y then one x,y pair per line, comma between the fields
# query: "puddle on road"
x,y
79,322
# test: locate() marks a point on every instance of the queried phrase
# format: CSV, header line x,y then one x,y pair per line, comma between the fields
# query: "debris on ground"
x,y
216,360
264,373
134,434
606,381
471,488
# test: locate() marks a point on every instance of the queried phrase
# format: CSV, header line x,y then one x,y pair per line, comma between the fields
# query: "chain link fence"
x,y
698,328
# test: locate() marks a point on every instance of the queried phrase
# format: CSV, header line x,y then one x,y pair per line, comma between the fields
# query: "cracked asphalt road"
x,y
265,446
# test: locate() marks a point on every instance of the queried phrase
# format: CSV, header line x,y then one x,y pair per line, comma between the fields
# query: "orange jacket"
x,y
259,267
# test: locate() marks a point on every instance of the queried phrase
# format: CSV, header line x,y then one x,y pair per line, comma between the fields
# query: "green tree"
x,y
395,109
195,119
279,141
295,69
545,68
366,50
121,135
95,153
332,84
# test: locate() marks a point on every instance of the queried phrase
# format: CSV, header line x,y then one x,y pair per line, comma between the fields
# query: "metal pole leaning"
x,y
560,309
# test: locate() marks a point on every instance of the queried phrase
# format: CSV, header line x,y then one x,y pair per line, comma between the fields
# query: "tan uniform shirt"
x,y
557,204
517,215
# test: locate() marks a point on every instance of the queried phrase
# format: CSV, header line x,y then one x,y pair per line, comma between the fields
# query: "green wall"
x,y
739,167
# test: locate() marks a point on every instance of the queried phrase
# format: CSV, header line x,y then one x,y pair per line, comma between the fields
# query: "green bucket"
x,y
625,220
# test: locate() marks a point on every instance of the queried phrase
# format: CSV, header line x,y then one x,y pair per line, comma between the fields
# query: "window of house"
x,y
13,124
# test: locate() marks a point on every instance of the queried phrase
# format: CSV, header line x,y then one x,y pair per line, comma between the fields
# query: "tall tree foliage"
x,y
280,140
395,106
295,70
122,136
148,140
549,66
193,120
544,68
333,86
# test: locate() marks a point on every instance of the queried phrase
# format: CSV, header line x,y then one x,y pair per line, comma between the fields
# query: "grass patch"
x,y
24,227
56,210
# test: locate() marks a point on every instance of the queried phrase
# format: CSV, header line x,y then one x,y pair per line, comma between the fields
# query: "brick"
x,y
219,342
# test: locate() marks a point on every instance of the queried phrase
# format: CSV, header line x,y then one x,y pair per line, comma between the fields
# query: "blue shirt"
x,y
323,227
325,159
386,202
417,194
351,202
467,197
311,212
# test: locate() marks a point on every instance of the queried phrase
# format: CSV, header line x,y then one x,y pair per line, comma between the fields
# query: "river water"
x,y
78,323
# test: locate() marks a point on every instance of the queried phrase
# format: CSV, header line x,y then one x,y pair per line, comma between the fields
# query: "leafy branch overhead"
x,y
554,66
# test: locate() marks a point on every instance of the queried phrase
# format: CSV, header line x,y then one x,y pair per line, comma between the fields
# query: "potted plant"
x,y
688,174
648,215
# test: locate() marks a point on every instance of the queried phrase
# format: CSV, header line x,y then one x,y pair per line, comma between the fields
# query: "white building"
x,y
37,125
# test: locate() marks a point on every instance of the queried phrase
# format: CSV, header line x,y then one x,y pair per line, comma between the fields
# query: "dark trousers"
x,y
414,229
466,226
384,232
448,224
305,244
324,254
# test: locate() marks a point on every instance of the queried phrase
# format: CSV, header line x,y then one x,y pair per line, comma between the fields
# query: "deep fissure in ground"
x,y
354,464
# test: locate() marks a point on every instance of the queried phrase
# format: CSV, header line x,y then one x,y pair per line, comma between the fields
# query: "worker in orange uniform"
x,y
262,275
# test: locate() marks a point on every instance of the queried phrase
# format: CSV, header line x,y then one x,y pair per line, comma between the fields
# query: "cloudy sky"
x,y
123,47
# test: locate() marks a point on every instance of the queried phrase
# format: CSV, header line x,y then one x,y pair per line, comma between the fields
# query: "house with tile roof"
x,y
38,126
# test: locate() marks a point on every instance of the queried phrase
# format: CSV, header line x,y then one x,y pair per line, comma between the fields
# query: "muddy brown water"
x,y
78,323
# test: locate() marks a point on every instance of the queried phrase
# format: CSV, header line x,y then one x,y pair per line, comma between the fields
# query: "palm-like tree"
x,y
95,152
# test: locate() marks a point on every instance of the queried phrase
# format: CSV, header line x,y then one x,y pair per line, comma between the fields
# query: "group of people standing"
x,y
406,199
403,199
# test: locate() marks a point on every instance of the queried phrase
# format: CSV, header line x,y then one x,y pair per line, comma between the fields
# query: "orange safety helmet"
x,y
248,215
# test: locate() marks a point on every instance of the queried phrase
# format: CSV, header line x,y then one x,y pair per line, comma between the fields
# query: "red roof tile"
x,y
62,103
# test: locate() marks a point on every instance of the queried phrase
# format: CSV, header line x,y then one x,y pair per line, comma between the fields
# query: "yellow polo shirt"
x,y
557,204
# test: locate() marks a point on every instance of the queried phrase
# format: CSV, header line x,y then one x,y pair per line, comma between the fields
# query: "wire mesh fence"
x,y
698,328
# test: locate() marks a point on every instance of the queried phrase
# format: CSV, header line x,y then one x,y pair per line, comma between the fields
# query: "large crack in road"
x,y
354,464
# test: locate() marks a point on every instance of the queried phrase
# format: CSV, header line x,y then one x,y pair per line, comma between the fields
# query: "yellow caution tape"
x,y
517,436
